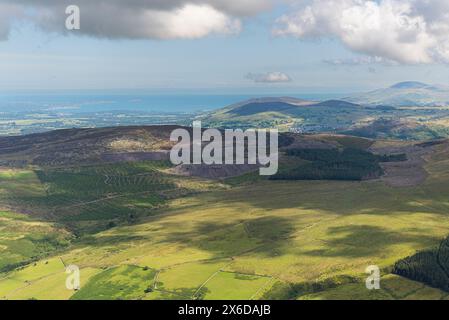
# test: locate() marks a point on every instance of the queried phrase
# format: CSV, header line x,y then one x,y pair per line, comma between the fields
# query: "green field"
x,y
124,282
23,239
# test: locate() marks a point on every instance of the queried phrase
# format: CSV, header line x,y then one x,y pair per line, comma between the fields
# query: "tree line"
x,y
335,164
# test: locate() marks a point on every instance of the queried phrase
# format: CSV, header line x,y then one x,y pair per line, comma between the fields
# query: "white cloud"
x,y
270,77
360,61
193,21
405,31
145,19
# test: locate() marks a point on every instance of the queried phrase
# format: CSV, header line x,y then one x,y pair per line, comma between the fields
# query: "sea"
x,y
97,101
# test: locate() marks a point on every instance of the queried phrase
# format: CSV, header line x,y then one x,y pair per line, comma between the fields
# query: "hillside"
x,y
285,113
267,101
139,231
287,106
78,146
405,94
396,128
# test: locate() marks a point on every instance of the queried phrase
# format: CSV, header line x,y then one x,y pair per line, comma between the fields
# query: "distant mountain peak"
x,y
410,85
409,93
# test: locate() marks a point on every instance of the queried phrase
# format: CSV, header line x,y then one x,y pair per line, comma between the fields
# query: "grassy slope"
x,y
124,282
90,198
23,239
280,232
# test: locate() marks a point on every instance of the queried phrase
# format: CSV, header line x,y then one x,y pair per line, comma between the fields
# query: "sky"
x,y
223,46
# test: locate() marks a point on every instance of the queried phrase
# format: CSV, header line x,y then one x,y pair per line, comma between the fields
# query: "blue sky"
x,y
39,58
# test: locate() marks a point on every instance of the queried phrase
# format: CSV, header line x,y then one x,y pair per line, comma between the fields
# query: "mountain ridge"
x,y
402,94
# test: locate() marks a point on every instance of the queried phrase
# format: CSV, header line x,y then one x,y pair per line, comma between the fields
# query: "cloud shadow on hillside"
x,y
231,239
356,241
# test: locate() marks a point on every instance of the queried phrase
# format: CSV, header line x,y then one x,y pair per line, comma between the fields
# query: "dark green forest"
x,y
429,267
335,164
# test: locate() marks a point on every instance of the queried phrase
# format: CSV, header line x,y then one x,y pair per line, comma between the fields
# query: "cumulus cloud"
x,y
405,31
270,77
138,19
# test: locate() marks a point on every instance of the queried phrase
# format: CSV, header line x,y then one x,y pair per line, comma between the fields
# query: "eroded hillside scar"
x,y
407,173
